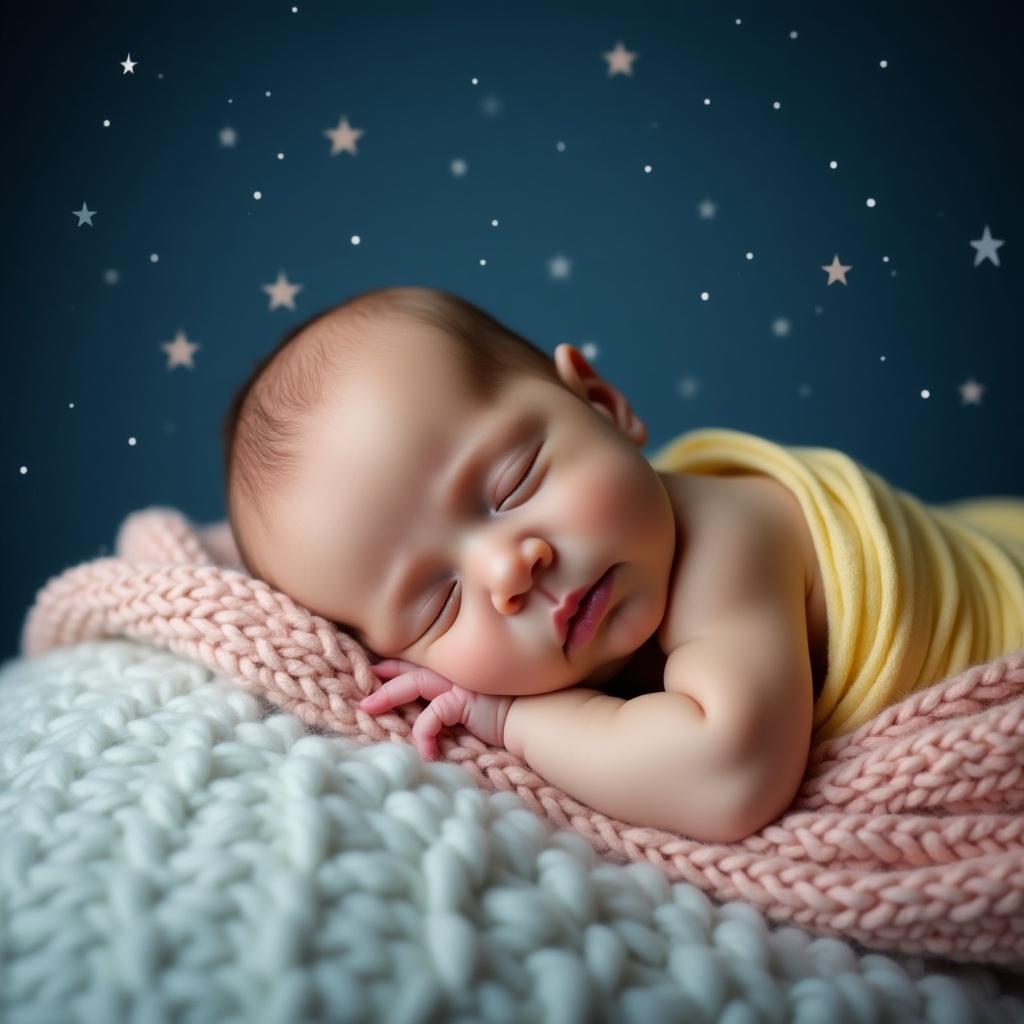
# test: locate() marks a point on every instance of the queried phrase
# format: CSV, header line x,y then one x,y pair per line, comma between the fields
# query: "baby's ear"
x,y
582,379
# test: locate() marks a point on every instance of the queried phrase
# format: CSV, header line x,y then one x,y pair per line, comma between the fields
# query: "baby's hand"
x,y
483,715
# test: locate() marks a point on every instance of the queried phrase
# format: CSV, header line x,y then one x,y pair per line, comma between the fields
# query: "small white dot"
x,y
483,263
560,146
132,442
705,296
257,195
793,34
71,405
295,10
647,168
153,258
871,203
161,75
750,255
494,222
707,103
106,122
230,100
777,105
739,21
23,470
926,393
883,358
883,63
474,80
355,239
267,94
833,164
885,259
280,156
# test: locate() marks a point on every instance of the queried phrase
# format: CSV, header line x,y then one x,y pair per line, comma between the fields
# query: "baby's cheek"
x,y
605,495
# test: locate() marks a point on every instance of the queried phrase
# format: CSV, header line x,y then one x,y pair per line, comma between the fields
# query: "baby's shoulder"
x,y
735,534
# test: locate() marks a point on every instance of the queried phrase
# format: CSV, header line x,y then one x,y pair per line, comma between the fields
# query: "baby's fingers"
x,y
419,682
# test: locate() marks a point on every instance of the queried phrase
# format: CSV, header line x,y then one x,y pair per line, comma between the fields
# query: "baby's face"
x,y
448,534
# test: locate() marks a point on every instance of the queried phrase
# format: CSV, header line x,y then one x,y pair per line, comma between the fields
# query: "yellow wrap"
x,y
913,592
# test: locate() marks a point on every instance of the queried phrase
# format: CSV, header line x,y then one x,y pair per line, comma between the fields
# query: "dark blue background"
x,y
931,138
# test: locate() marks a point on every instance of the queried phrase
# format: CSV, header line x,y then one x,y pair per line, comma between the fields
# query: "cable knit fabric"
x,y
906,835
173,848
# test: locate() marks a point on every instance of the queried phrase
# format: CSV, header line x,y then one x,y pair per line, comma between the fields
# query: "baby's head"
x,y
410,469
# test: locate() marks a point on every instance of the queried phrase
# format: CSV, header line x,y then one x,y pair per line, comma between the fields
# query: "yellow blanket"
x,y
914,592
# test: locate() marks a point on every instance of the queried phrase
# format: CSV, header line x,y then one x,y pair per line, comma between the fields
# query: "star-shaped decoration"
x,y
84,215
836,271
688,386
620,60
180,350
228,136
986,247
343,137
281,292
559,267
971,392
128,65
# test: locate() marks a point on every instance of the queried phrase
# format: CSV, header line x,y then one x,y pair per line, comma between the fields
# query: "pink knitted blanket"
x,y
906,836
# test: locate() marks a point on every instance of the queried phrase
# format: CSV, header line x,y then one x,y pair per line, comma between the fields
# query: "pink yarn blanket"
x,y
906,835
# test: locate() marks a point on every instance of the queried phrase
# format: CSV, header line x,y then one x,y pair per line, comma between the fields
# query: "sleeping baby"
x,y
661,639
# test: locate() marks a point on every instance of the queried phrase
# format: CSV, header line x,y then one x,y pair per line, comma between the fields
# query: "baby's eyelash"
x,y
444,607
526,476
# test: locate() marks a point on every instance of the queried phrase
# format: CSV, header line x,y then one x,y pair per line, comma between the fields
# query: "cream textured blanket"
x,y
906,835
914,593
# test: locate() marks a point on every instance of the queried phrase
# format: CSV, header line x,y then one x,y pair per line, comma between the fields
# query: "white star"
x,y
128,65
180,350
620,60
986,247
971,392
836,271
559,267
228,136
707,209
84,215
281,292
343,137
688,386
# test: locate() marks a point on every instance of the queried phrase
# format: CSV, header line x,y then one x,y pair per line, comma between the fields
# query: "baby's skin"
x,y
446,534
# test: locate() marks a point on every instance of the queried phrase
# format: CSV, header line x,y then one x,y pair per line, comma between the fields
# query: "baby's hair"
x,y
264,429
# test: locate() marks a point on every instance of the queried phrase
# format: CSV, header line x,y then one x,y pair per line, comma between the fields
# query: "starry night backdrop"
x,y
664,186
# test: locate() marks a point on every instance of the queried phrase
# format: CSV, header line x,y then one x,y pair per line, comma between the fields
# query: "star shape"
x,y
971,392
128,65
986,247
281,292
559,267
228,136
620,60
343,137
836,271
180,350
84,215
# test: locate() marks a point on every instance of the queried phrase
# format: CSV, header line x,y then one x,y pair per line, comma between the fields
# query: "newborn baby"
x,y
482,519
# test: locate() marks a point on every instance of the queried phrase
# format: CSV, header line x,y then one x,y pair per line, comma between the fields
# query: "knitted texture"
x,y
906,835
173,848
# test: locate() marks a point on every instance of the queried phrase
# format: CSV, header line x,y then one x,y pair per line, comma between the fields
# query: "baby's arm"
x,y
653,761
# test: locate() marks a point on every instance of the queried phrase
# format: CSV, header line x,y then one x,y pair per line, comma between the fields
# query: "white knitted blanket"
x,y
174,849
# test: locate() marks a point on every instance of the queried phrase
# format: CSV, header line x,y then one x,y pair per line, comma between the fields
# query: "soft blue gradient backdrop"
x,y
933,138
